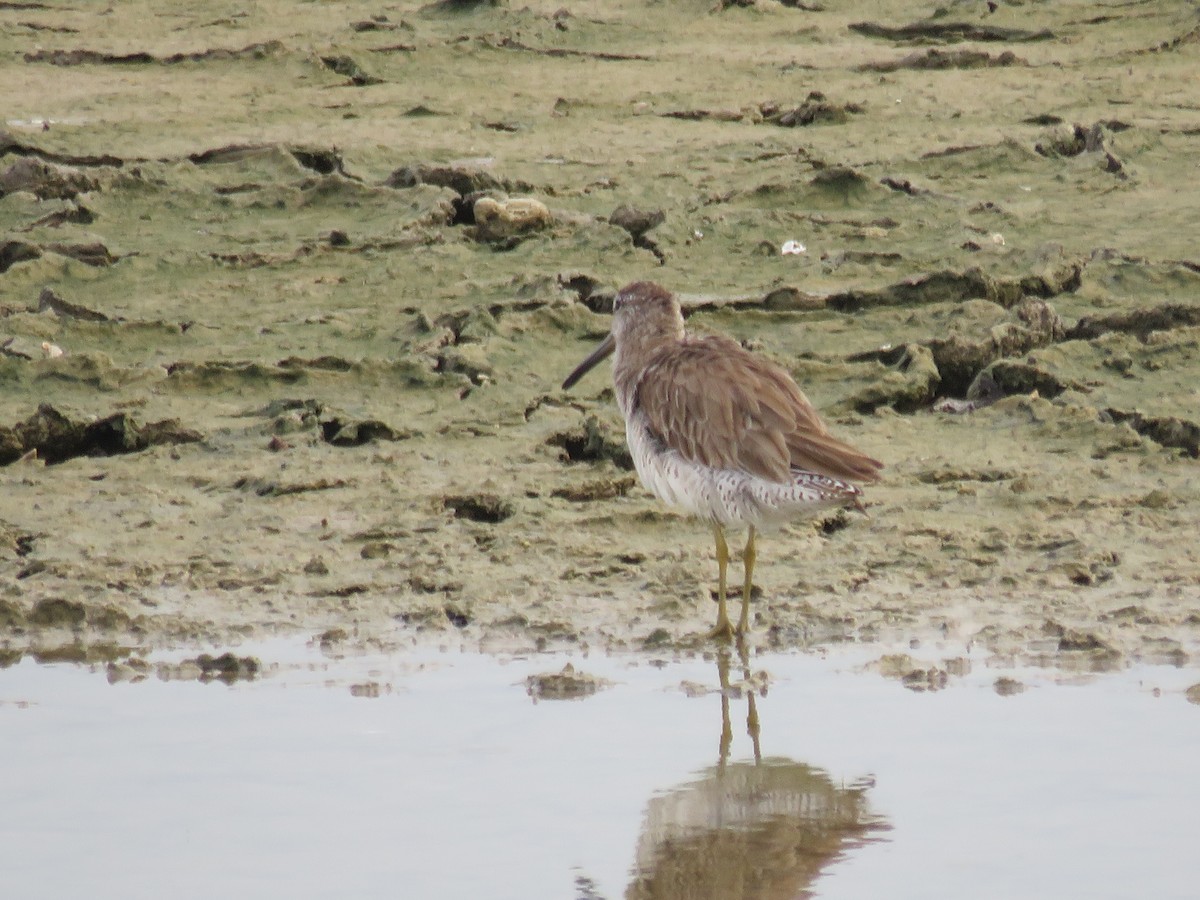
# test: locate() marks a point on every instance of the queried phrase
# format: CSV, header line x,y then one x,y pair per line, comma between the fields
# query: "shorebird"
x,y
719,432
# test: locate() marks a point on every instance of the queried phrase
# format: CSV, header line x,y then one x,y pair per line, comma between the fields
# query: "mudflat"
x,y
287,292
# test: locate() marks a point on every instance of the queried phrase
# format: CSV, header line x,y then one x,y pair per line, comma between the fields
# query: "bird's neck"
x,y
637,352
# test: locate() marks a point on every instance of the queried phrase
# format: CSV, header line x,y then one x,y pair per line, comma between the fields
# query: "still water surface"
x,y
452,783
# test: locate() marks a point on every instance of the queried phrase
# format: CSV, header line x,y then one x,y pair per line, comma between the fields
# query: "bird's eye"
x,y
618,302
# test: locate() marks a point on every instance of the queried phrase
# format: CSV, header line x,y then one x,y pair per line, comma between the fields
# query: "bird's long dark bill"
x,y
606,347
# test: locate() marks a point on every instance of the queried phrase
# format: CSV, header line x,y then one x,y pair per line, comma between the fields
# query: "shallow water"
x,y
434,774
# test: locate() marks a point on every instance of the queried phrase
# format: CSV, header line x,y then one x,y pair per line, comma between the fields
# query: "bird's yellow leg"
x,y
723,629
748,558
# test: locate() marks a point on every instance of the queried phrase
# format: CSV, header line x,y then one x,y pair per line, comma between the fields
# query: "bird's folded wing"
x,y
722,407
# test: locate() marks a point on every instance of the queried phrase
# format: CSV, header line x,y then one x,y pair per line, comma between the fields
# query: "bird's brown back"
x,y
718,405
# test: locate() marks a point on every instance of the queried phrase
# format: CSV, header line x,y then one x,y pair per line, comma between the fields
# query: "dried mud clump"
x,y
910,383
470,182
913,675
56,612
567,684
638,222
1079,140
227,667
508,221
45,181
815,110
960,360
56,438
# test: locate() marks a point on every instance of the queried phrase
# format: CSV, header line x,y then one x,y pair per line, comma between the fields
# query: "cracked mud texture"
x,y
303,390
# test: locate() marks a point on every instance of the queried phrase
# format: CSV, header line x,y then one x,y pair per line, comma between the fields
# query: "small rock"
x,y
500,220
316,566
375,550
636,221
1007,687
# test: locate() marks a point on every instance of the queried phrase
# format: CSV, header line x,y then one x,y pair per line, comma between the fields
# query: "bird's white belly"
x,y
726,496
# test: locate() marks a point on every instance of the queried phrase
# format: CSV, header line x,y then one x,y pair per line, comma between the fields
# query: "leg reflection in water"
x,y
764,828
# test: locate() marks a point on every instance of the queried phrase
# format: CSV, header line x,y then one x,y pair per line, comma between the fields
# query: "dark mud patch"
x,y
937,60
1140,322
958,286
56,612
12,616
354,433
93,254
10,145
601,489
350,68
949,32
77,215
593,442
463,180
81,57
1080,139
50,302
708,115
56,437
227,667
510,43
1013,376
62,613
1168,431
266,487
322,160
81,653
488,508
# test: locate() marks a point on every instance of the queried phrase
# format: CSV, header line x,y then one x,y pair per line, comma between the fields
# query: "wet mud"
x,y
286,298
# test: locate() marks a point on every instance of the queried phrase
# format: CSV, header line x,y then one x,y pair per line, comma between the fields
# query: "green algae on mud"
x,y
281,257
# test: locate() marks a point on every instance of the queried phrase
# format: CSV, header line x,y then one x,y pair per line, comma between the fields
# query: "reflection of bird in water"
x,y
743,830
719,432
